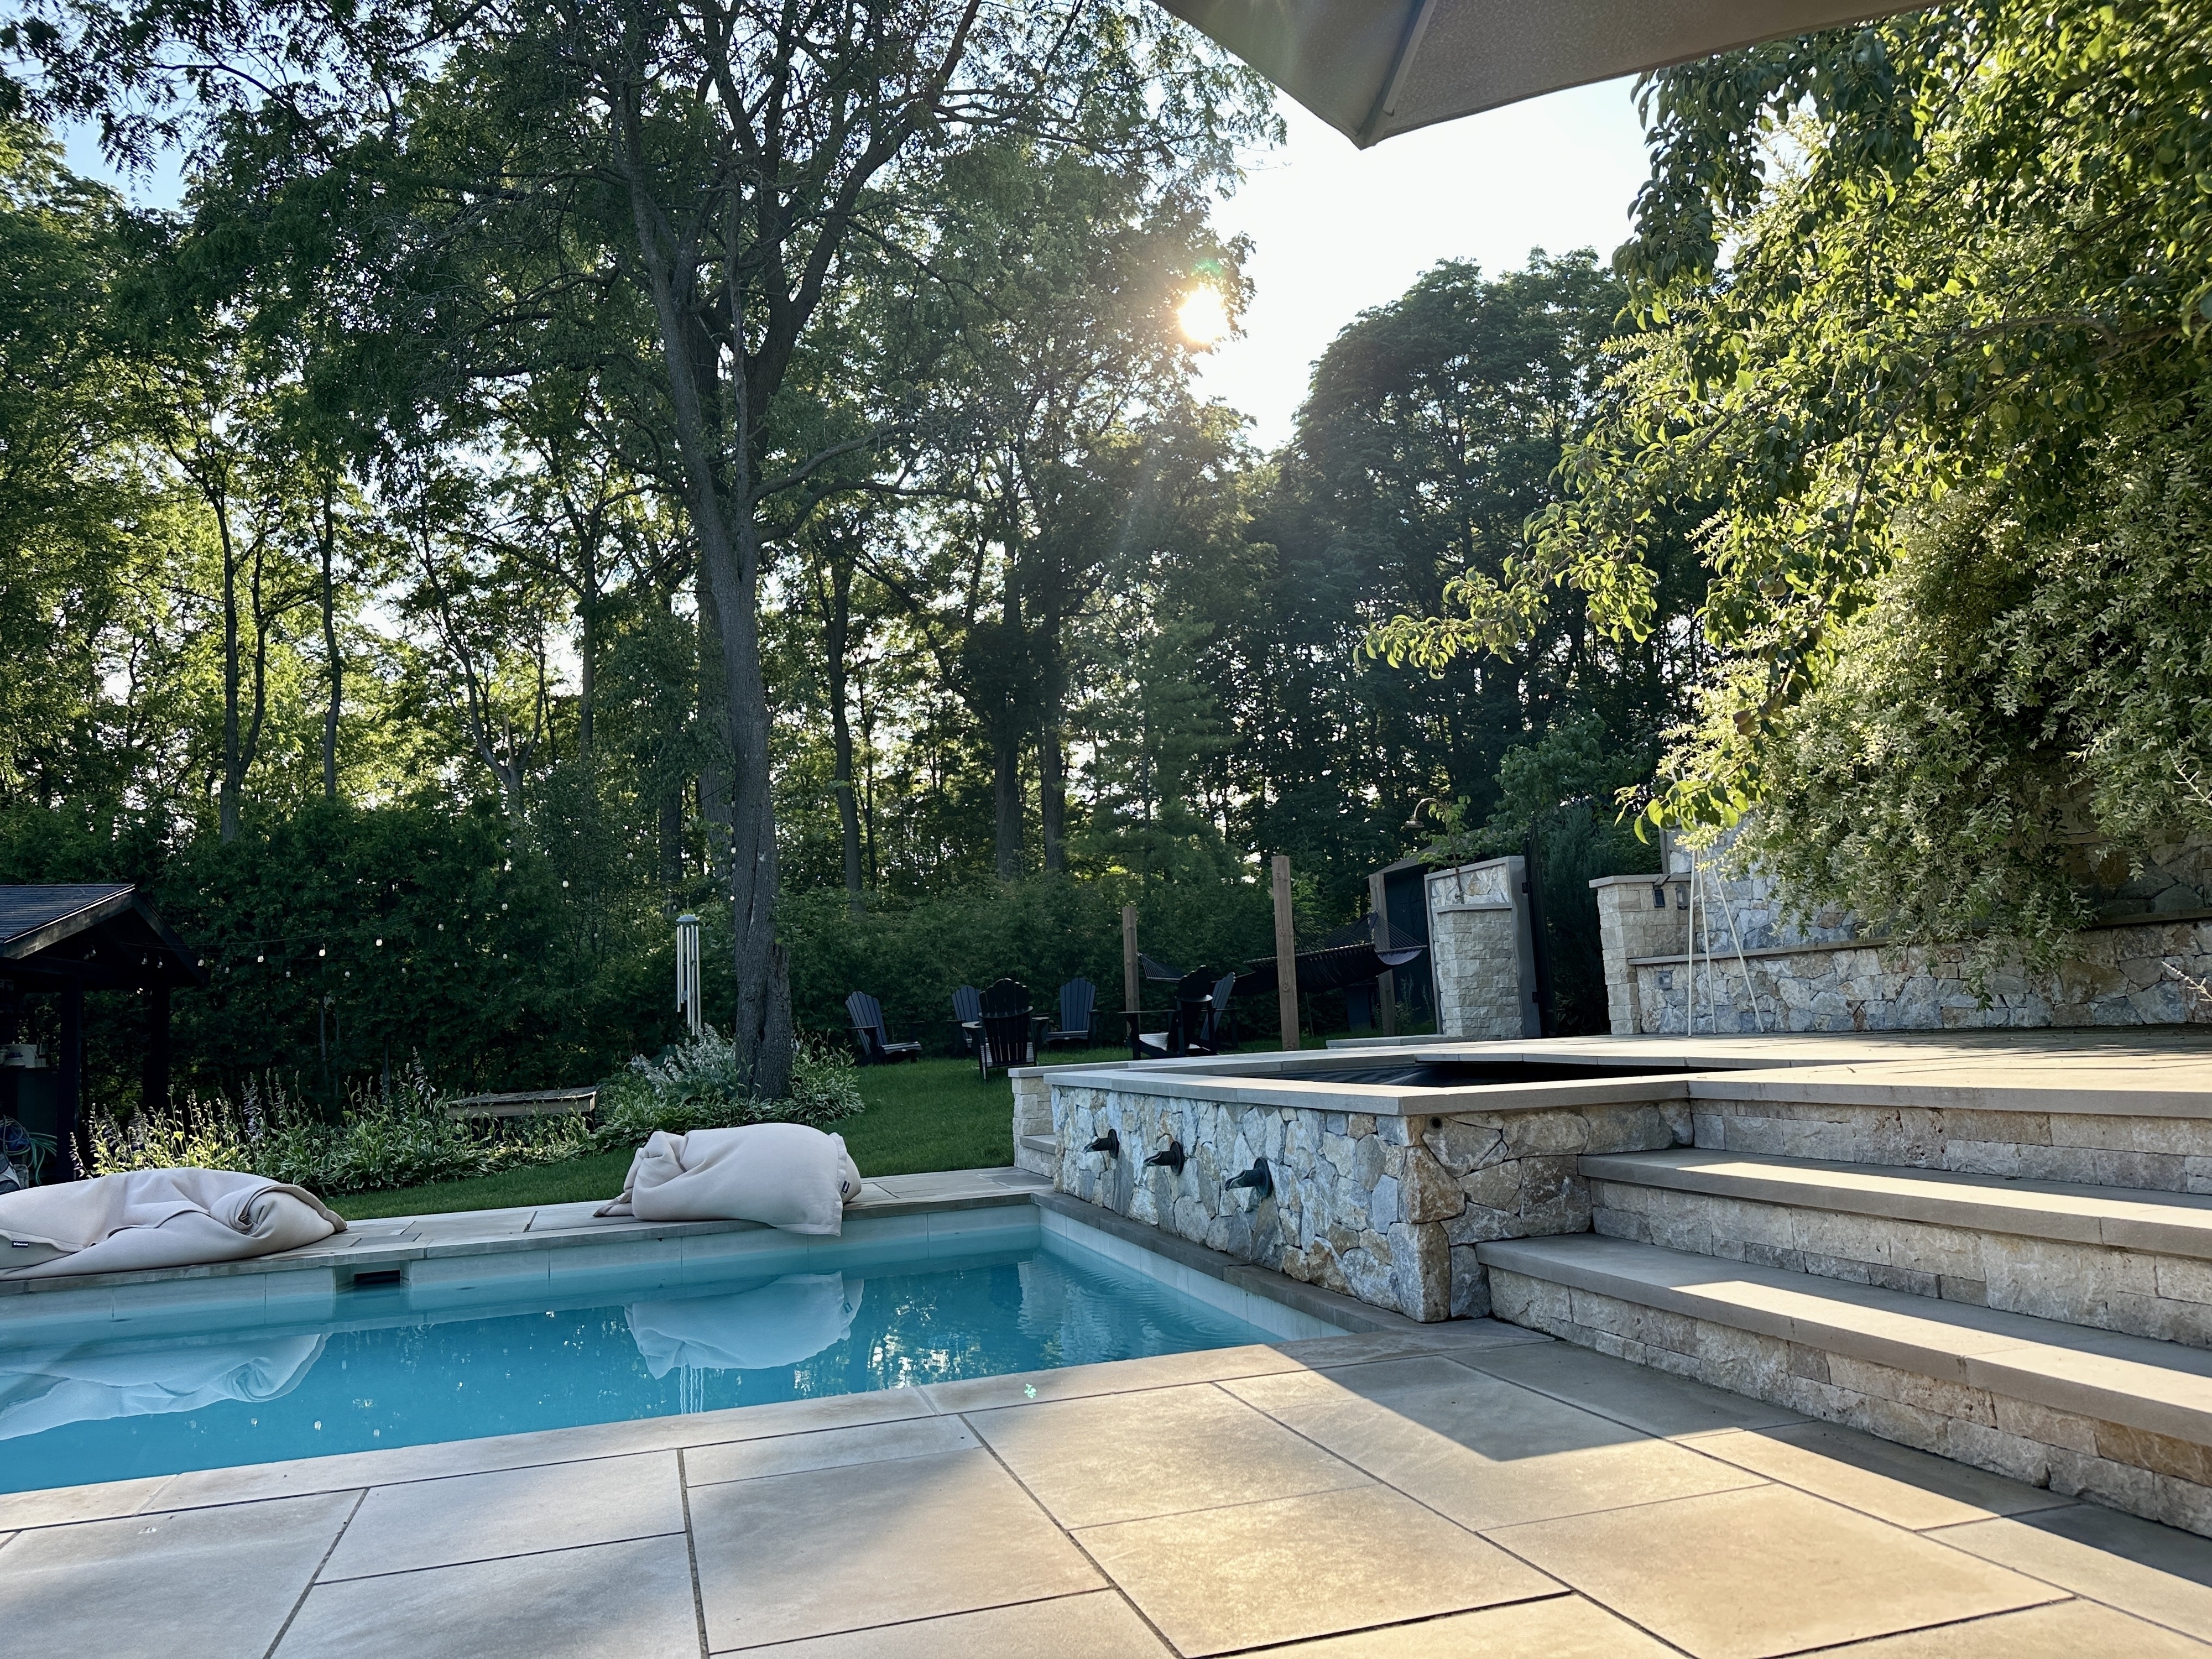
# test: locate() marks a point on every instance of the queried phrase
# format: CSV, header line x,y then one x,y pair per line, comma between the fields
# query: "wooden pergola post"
x,y
1286,952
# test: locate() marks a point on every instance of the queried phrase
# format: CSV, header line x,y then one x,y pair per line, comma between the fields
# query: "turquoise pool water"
x,y
386,1372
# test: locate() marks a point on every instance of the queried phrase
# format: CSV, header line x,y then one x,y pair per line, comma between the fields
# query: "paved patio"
x,y
1391,1495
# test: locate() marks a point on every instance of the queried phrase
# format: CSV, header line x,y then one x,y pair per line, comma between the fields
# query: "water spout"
x,y
1170,1159
1259,1180
1110,1143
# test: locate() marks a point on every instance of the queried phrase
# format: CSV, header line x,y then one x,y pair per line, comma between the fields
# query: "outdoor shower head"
x,y
1258,1179
1110,1143
1170,1159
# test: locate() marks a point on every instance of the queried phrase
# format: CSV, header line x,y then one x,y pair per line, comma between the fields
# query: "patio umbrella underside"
x,y
1373,70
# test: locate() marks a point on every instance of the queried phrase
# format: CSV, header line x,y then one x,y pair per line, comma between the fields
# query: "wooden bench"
x,y
537,1103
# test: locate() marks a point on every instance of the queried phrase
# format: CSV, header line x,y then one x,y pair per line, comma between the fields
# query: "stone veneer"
x,y
2117,1464
1481,951
1385,1208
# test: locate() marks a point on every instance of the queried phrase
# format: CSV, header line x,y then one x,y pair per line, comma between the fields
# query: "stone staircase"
x,y
2056,1332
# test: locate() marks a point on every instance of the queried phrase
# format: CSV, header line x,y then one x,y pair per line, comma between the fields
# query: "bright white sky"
x,y
1337,230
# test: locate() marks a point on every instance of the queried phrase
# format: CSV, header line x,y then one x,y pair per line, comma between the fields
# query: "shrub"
x,y
402,1136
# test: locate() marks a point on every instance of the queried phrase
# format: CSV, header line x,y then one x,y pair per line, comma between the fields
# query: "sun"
x,y
1203,317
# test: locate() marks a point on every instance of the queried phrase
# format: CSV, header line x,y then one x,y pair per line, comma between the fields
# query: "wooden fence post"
x,y
1386,982
1286,952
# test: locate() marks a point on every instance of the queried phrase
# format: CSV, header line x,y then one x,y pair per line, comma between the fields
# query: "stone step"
x,y
2133,1262
2123,1421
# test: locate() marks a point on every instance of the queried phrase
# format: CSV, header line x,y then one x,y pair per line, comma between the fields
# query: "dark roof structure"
x,y
105,937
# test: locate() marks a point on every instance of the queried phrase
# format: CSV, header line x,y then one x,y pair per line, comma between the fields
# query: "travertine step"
x,y
2123,1419
2121,1259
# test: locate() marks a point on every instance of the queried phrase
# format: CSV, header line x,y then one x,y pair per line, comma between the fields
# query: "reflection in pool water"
x,y
387,1373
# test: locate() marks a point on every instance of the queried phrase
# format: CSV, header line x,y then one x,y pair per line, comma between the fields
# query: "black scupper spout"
x,y
1169,1158
1258,1179
1110,1143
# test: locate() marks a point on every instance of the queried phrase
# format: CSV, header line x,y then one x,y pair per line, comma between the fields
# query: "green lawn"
x,y
925,1115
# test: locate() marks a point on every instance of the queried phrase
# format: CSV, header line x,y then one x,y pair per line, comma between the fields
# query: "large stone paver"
x,y
628,1600
214,1583
2164,1575
476,1517
1563,1628
827,1448
839,1549
1120,1457
1098,1625
1880,1477
1253,1574
1484,1451
1741,1575
2067,1630
1651,1401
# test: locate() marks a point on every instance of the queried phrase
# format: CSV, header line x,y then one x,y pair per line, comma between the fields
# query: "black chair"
x,y
1077,1000
1190,1027
1008,1033
876,1046
968,1015
1221,1018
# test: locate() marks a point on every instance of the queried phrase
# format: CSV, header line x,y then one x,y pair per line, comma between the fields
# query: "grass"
x,y
925,1115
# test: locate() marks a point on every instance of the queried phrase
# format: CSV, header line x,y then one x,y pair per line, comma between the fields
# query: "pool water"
x,y
387,1373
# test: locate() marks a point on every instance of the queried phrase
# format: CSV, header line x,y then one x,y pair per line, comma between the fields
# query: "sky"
x,y
1337,230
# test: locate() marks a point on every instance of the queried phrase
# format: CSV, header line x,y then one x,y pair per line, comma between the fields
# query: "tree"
x,y
726,162
1941,395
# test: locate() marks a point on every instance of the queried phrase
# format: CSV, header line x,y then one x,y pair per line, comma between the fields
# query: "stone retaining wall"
x,y
1481,951
1386,1209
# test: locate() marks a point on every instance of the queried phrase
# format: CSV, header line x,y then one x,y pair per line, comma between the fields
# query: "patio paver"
x,y
478,1518
1741,1574
1126,1456
1563,1628
216,1584
2068,1630
2155,1571
838,1549
628,1600
1217,1580
1876,1477
1483,1451
1098,1625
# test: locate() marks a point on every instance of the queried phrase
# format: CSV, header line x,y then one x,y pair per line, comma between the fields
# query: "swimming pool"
x,y
396,1368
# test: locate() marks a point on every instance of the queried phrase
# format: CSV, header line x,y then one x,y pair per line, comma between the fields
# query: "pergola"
x,y
63,941
1373,70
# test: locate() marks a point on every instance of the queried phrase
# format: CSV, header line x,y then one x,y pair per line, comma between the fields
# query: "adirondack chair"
x,y
1008,1032
1221,1019
968,1016
1190,1024
876,1046
1077,1000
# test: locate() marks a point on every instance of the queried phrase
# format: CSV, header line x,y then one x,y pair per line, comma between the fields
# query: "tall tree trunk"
x,y
329,539
714,731
1052,780
837,622
1006,790
234,769
587,655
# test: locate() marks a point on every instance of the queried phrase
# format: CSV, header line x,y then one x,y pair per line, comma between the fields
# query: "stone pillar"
x,y
1483,951
1033,1117
1637,916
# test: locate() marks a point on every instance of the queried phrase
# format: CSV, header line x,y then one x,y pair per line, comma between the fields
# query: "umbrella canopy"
x,y
1373,70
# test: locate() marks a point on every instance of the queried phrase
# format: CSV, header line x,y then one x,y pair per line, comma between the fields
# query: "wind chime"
x,y
687,971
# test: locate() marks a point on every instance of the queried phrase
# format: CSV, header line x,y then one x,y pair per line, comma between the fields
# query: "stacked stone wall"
x,y
2134,974
1386,1209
